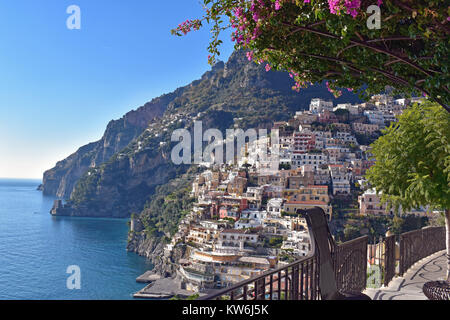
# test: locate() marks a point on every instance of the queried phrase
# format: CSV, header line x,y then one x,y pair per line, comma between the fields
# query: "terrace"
x,y
354,270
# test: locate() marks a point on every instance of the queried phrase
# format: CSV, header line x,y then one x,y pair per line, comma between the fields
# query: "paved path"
x,y
163,288
409,287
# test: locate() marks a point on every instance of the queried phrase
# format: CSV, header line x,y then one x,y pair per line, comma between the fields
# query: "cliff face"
x,y
60,180
115,176
153,249
165,263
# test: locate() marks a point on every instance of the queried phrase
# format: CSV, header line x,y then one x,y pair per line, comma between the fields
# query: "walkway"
x,y
409,287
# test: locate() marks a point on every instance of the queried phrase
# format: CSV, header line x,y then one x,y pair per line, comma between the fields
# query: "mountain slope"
x,y
236,93
60,180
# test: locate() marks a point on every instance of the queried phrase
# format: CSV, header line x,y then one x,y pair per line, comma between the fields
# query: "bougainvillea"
x,y
316,40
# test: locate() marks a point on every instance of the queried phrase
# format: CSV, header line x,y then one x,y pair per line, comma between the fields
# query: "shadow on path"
x,y
409,286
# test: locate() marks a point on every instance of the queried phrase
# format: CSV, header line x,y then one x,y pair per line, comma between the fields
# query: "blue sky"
x,y
59,88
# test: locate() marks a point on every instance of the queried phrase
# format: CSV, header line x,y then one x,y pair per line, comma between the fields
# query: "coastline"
x,y
59,242
163,288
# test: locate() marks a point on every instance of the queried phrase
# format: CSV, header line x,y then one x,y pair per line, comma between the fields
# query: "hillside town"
x,y
244,219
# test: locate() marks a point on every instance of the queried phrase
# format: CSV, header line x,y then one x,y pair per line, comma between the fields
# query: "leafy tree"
x,y
397,224
275,242
193,297
412,166
169,203
284,166
331,39
351,232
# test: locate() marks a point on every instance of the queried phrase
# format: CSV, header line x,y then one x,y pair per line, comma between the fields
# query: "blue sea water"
x,y
37,248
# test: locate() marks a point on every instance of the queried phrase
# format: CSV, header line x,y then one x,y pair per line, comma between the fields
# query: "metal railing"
x,y
382,256
418,244
395,258
300,280
350,265
296,281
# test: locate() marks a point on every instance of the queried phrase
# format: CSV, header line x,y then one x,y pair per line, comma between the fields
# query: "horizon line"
x,y
18,178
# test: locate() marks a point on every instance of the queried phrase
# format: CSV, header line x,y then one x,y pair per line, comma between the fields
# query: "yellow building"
x,y
293,206
309,193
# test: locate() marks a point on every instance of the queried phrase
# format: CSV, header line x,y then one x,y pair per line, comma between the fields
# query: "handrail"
x,y
418,244
253,280
301,277
350,264
349,242
412,245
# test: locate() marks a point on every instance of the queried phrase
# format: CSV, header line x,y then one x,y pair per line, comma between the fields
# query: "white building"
x,y
235,240
352,109
340,179
251,219
318,106
375,117
315,160
298,242
274,207
346,137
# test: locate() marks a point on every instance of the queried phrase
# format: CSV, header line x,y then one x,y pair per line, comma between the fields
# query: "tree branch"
x,y
388,75
359,43
394,38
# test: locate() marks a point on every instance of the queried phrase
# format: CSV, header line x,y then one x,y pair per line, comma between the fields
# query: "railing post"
x,y
279,285
402,256
364,275
389,259
295,275
271,287
301,281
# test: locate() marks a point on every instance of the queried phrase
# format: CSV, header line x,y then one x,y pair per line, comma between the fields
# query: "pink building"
x,y
304,141
229,212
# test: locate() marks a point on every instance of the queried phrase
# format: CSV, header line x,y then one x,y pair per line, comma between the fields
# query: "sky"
x,y
59,88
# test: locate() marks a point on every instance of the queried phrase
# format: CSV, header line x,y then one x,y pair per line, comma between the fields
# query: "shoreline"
x,y
148,277
160,288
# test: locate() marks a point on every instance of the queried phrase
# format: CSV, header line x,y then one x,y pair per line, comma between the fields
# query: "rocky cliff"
x,y
153,249
117,175
60,180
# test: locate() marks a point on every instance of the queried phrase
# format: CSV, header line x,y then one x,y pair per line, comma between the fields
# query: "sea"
x,y
61,258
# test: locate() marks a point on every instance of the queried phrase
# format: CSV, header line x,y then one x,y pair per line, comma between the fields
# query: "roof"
x,y
370,192
184,261
311,202
236,231
275,201
212,221
258,260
